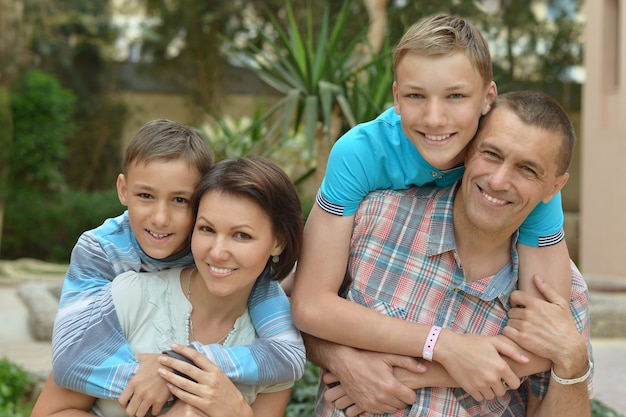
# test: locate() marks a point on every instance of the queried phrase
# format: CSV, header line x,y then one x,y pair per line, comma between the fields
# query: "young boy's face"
x,y
158,196
440,100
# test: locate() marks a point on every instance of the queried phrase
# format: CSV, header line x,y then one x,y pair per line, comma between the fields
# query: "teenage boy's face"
x,y
158,196
440,100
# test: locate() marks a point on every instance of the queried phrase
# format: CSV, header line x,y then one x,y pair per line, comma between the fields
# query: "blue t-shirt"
x,y
377,155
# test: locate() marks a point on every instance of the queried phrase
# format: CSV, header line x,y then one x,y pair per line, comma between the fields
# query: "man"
x,y
447,258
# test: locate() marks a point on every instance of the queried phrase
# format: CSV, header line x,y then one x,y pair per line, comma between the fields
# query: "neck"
x,y
212,317
481,253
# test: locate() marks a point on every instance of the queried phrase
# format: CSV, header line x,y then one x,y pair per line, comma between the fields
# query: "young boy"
x,y
443,85
163,164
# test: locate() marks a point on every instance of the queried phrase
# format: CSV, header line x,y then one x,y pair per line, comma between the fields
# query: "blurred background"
x,y
271,77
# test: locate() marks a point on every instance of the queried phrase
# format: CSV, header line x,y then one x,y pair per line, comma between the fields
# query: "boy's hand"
x,y
146,393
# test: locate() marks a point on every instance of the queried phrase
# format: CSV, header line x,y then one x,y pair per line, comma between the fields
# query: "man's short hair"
x,y
538,109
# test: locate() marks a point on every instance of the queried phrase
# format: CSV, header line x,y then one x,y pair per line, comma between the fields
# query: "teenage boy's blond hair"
x,y
443,35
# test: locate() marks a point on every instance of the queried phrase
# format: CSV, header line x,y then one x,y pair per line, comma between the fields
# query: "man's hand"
x,y
546,327
476,363
146,391
368,383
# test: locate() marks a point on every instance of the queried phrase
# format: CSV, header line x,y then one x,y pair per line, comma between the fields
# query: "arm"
x,y
57,401
367,377
546,327
550,262
89,351
277,356
374,382
319,311
212,392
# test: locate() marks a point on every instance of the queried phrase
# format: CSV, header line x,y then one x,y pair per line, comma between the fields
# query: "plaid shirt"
x,y
404,264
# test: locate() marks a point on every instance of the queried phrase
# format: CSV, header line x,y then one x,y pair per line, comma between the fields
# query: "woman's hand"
x,y
209,391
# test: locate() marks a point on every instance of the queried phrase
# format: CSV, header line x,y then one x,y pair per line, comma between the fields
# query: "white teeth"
x,y
437,137
158,236
220,270
493,199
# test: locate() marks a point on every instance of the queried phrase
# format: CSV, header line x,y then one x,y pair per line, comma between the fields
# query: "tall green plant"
x,y
327,78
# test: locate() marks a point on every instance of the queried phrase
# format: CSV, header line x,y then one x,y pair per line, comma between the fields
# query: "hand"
x,y
545,327
367,381
213,394
476,363
145,392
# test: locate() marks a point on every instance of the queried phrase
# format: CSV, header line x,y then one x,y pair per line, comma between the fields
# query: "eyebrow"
x,y
143,187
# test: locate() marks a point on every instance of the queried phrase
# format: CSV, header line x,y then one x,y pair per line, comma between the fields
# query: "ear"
x,y
558,186
122,189
490,96
278,248
396,102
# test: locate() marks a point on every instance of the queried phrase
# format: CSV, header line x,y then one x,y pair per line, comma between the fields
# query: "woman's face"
x,y
231,243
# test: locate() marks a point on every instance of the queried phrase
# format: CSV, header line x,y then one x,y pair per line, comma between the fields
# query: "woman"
x,y
248,227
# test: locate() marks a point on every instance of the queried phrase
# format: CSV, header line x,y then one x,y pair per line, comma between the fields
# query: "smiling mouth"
x,y
492,199
220,270
437,138
158,235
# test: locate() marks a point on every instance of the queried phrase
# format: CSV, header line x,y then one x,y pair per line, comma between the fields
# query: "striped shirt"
x,y
403,261
90,353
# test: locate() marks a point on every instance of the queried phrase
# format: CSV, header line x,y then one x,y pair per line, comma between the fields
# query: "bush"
x,y
302,401
42,112
15,388
46,226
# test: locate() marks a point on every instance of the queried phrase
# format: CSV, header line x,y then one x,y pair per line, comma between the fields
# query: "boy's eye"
x,y
415,96
456,95
180,200
145,195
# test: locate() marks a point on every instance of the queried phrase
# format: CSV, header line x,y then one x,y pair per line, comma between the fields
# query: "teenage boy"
x,y
163,164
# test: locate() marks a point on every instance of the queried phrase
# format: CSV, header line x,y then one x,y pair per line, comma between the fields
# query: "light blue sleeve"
x,y
544,225
277,356
89,351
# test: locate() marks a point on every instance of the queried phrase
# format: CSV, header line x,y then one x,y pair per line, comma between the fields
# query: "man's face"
x,y
510,168
440,100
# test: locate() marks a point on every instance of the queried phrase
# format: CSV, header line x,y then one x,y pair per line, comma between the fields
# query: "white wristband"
x,y
572,381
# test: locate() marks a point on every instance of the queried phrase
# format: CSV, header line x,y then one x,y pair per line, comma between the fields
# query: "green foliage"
x,y
318,68
46,227
15,387
598,409
302,401
42,112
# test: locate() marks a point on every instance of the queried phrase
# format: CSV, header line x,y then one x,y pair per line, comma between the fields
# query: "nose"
x,y
500,178
434,113
161,214
218,249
